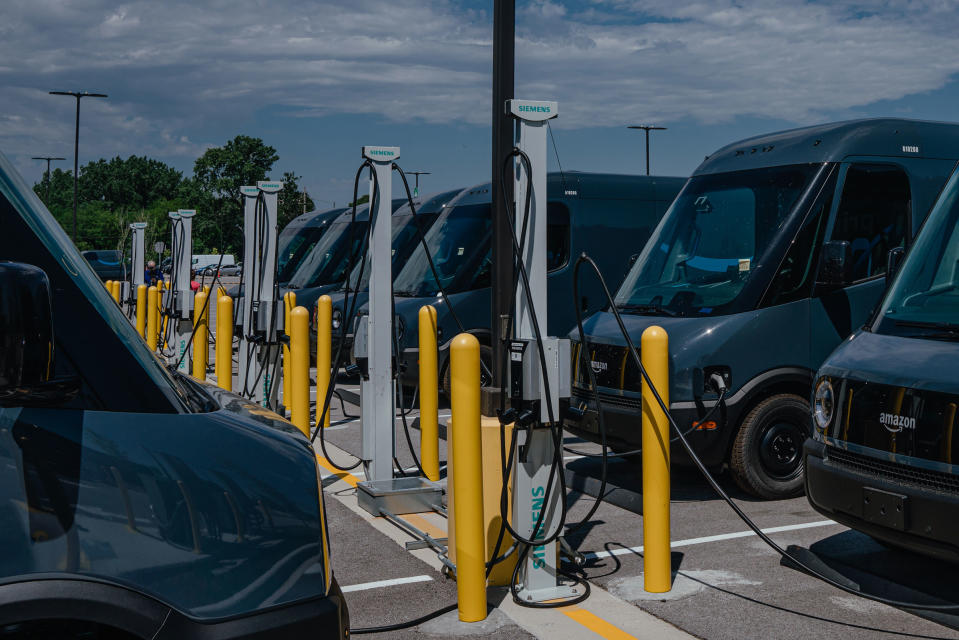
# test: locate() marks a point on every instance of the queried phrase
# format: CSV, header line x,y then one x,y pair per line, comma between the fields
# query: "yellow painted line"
x,y
345,476
424,525
596,624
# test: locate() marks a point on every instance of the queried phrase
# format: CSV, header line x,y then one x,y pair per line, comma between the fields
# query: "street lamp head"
x,y
645,127
47,158
79,94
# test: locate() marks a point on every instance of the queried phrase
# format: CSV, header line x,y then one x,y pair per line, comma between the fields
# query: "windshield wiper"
x,y
937,330
647,308
290,285
922,324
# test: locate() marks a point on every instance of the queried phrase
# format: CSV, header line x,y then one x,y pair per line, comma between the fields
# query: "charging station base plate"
x,y
559,592
400,495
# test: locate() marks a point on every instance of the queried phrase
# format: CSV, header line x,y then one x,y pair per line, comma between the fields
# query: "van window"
x,y
557,236
794,279
873,216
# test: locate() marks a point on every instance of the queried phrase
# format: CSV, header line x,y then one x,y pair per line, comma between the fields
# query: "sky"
x,y
319,79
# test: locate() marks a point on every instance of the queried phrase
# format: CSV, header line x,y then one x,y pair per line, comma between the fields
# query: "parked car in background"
x,y
108,264
231,270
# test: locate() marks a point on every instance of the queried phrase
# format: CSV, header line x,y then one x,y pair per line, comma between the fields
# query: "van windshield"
x,y
712,240
328,261
923,301
459,243
404,238
295,245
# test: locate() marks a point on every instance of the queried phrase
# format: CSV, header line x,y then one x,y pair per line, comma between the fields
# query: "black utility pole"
x,y
48,159
416,189
647,128
504,37
76,145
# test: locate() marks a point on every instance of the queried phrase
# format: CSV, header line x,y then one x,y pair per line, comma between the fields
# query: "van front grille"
x,y
938,481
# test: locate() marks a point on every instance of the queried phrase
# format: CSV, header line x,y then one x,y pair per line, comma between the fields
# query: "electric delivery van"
x,y
406,233
137,503
606,215
884,452
298,238
772,254
325,267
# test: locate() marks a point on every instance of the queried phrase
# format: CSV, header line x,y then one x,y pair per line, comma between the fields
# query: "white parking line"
x,y
716,538
385,583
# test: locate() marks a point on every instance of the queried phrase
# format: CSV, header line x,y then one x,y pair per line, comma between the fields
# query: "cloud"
x,y
174,68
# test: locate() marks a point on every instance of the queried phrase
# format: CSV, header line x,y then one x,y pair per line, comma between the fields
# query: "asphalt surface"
x,y
730,585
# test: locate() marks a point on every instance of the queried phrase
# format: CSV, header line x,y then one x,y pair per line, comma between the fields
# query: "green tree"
x,y
363,199
218,175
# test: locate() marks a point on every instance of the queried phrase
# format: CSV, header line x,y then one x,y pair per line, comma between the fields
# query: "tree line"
x,y
113,193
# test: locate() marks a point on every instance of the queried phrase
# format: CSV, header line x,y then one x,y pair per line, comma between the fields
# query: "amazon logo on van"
x,y
895,423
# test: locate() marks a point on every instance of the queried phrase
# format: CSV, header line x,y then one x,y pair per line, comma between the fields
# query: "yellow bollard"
x,y
467,466
324,336
429,394
289,303
300,369
657,570
141,309
153,313
115,290
201,342
224,343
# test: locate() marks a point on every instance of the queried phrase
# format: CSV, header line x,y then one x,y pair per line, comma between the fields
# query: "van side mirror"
x,y
835,267
632,260
893,261
26,339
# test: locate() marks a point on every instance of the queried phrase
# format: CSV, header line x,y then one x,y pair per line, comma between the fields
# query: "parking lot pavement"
x,y
727,582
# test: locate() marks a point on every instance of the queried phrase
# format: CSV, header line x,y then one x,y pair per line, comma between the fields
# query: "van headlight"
x,y
824,404
337,318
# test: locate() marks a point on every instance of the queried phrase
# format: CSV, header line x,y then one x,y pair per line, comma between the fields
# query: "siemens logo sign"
x,y
381,152
528,107
896,423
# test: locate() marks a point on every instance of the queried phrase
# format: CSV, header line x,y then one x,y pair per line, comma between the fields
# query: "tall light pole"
x,y
647,128
416,189
48,159
76,145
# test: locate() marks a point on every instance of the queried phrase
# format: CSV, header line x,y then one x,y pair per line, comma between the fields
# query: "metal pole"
x,y
504,36
76,167
647,128
48,159
76,145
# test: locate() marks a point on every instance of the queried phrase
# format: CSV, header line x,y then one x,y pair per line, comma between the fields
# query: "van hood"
x,y
914,363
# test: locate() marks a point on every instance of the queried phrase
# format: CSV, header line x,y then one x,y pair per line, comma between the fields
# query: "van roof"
x,y
315,218
833,142
586,185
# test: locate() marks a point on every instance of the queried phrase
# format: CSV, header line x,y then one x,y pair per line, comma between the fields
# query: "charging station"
x,y
260,319
137,263
381,493
535,387
179,298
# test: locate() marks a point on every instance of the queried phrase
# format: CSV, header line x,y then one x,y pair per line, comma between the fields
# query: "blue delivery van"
x,y
406,233
884,453
325,267
137,503
298,238
772,254
606,215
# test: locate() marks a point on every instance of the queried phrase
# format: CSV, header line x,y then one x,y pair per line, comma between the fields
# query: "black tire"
x,y
486,357
767,455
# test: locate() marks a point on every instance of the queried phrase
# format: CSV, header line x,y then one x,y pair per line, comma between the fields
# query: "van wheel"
x,y
767,455
486,357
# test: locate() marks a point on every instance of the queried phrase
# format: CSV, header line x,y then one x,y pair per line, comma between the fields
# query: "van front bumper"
x,y
623,421
842,485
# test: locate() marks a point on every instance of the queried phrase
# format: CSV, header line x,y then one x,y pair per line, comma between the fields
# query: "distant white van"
x,y
205,260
